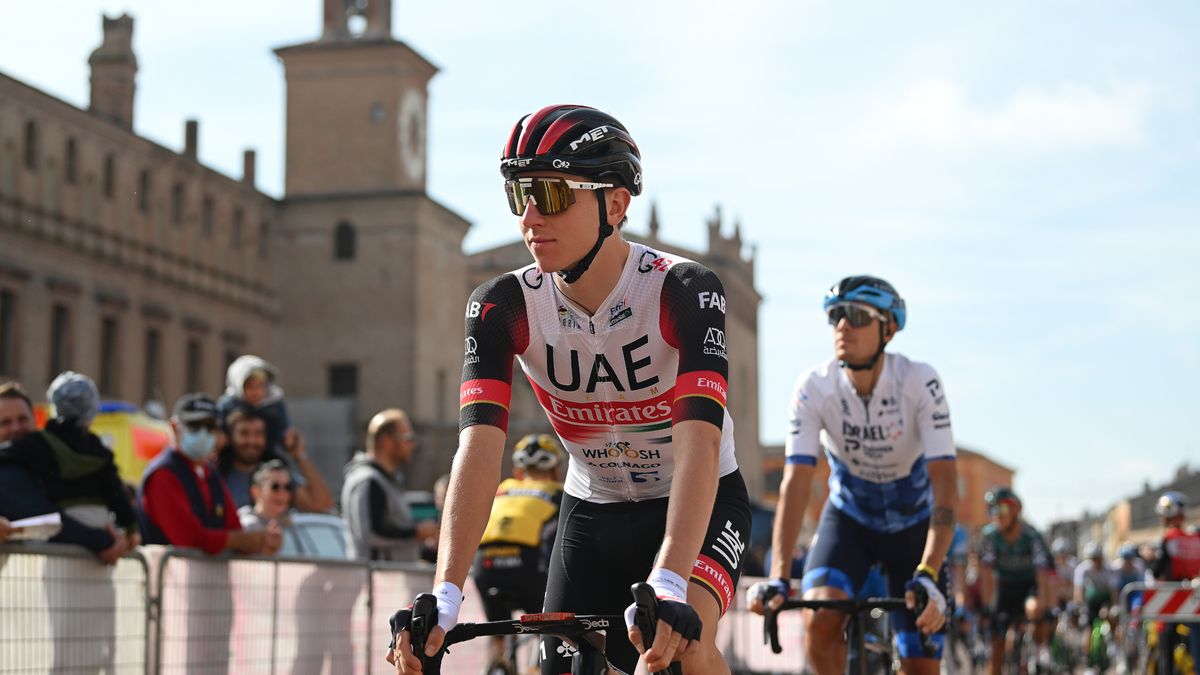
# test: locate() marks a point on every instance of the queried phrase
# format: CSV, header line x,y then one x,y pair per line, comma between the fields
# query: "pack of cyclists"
x,y
625,349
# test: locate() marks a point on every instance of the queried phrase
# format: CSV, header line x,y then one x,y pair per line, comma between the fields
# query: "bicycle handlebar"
x,y
771,616
560,624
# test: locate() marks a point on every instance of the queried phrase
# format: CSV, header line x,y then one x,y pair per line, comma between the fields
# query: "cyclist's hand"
x,y
934,615
400,652
770,593
677,634
678,630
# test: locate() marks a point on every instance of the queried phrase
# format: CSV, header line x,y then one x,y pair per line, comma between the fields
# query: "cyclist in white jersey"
x,y
885,426
629,362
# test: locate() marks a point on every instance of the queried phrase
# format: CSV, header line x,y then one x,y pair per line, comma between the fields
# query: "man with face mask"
x,y
183,501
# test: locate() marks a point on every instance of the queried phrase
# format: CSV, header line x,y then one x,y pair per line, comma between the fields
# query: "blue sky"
x,y
1025,173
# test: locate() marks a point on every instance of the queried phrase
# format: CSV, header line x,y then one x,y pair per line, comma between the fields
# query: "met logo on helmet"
x,y
518,163
590,137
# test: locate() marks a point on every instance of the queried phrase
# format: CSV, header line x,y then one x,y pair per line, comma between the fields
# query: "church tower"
x,y
369,268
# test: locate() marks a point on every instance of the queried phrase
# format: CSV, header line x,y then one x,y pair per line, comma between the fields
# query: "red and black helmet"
x,y
574,139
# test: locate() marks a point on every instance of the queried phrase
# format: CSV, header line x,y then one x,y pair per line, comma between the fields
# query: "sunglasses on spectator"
x,y
549,195
856,315
203,425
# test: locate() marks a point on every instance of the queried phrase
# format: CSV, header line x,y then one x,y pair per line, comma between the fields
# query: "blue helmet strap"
x,y
870,363
572,275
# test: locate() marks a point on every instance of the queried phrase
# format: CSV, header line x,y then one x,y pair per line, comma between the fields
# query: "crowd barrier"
x,y
163,611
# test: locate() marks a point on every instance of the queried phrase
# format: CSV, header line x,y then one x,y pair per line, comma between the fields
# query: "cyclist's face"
x,y
558,241
855,345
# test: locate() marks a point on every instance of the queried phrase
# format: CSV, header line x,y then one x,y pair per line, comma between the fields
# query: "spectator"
x,y
20,496
272,494
250,384
248,449
73,467
379,521
183,501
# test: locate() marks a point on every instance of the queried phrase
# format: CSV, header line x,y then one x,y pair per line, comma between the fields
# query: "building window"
x,y
344,240
108,356
8,333
230,356
110,177
264,234
60,339
235,232
343,379
70,162
206,216
31,145
144,191
151,388
177,195
195,364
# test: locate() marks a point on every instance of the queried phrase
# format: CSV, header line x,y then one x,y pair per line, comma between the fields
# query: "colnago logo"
x,y
729,545
590,137
712,300
623,465
621,449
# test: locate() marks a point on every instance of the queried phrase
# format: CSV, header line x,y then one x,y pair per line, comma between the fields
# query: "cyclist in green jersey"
x,y
1015,567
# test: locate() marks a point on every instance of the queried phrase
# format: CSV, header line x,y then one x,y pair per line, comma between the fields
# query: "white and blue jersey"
x,y
878,446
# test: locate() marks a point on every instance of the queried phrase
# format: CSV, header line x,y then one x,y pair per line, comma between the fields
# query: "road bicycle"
x,y
585,633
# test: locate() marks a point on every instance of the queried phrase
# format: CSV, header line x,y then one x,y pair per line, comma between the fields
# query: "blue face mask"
x,y
197,445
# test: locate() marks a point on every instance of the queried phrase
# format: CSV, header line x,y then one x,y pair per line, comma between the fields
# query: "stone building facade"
x,y
138,265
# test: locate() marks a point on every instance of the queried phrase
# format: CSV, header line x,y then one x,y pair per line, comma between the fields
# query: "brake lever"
x,y
645,617
424,618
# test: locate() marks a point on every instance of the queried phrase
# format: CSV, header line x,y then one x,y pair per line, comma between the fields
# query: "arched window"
x,y
344,241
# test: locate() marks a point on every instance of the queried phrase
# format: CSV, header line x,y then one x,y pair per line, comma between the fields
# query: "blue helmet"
x,y
870,290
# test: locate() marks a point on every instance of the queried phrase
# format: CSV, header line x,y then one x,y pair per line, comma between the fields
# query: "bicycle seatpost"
x,y
646,620
424,618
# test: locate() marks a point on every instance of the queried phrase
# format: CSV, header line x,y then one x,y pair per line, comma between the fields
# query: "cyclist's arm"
x,y
473,482
803,444
937,440
697,447
987,571
943,478
1045,588
692,320
497,329
1043,563
789,516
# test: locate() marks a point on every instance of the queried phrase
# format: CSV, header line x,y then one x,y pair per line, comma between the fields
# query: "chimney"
x,y
248,167
379,20
336,26
114,67
191,132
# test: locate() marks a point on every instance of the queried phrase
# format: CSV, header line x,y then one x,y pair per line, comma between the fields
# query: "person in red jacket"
x,y
1178,560
183,501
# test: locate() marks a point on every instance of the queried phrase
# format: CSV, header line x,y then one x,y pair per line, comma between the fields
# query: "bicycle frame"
x,y
854,608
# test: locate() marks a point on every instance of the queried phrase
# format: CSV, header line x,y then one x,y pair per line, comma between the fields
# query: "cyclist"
x,y
625,349
893,488
514,554
1095,589
1015,576
1064,572
1178,560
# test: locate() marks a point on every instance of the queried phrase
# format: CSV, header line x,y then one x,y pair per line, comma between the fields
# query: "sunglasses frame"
x,y
847,306
525,183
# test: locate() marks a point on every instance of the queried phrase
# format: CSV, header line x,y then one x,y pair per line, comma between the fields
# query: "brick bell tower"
x,y
369,268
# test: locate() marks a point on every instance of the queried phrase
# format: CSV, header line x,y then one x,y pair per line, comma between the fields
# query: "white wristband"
x,y
667,584
449,600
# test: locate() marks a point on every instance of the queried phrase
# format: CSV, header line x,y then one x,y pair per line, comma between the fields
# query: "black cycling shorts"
x,y
844,550
600,550
1010,605
509,577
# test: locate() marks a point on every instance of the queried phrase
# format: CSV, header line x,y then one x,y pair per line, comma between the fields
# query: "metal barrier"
x,y
63,612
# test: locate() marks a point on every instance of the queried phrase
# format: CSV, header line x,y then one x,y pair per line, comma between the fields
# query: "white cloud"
x,y
940,114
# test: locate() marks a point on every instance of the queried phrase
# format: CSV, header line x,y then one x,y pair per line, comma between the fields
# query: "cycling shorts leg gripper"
x,y
913,644
719,565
